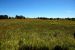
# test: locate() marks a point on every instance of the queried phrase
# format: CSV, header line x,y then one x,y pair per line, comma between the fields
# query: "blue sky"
x,y
37,8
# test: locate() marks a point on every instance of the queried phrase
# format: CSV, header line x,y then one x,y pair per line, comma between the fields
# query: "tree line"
x,y
16,17
43,18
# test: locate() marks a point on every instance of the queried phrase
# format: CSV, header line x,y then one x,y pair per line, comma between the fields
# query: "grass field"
x,y
16,34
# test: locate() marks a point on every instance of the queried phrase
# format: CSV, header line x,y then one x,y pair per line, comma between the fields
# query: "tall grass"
x,y
18,34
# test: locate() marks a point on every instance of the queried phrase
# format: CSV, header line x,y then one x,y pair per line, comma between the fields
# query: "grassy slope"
x,y
36,32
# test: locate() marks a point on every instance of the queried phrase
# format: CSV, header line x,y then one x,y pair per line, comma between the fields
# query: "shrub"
x,y
20,17
44,18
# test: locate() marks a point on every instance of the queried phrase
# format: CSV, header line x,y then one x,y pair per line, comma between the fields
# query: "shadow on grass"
x,y
0,46
24,47
57,47
74,34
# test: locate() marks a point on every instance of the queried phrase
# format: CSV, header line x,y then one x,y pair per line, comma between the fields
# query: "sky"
x,y
38,8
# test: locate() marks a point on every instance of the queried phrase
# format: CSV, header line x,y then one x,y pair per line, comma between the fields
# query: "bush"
x,y
20,17
11,18
73,19
44,18
51,18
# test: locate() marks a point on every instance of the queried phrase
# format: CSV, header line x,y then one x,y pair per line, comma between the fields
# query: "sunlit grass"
x,y
36,32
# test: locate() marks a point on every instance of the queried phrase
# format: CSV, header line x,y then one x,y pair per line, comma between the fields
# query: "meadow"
x,y
37,34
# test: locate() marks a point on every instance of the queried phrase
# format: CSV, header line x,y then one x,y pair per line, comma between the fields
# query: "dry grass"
x,y
36,32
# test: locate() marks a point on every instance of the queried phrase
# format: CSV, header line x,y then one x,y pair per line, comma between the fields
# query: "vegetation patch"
x,y
37,34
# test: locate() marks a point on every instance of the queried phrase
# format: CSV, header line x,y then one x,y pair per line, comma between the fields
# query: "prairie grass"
x,y
36,33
